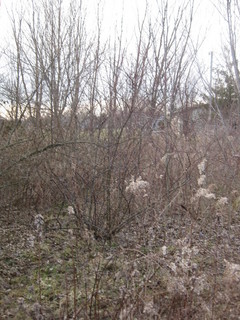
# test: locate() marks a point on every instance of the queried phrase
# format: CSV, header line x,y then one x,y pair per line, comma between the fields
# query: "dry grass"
x,y
175,250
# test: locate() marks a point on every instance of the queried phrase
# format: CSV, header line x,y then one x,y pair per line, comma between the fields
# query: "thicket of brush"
x,y
114,204
121,230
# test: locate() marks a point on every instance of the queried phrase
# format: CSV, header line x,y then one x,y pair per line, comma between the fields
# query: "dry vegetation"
x,y
103,213
167,249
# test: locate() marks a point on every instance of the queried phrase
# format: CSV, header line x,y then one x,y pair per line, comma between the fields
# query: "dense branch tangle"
x,y
84,104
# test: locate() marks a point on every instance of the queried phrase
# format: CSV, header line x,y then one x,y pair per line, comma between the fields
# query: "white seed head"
x,y
164,250
202,180
202,192
138,185
202,166
222,202
173,267
70,210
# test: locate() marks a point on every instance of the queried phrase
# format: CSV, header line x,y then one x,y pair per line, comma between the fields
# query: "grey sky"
x,y
206,20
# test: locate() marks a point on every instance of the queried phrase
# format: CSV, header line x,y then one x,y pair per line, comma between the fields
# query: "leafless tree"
x,y
230,12
233,15
89,102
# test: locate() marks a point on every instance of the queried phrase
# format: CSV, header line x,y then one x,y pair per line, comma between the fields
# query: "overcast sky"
x,y
207,25
206,21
